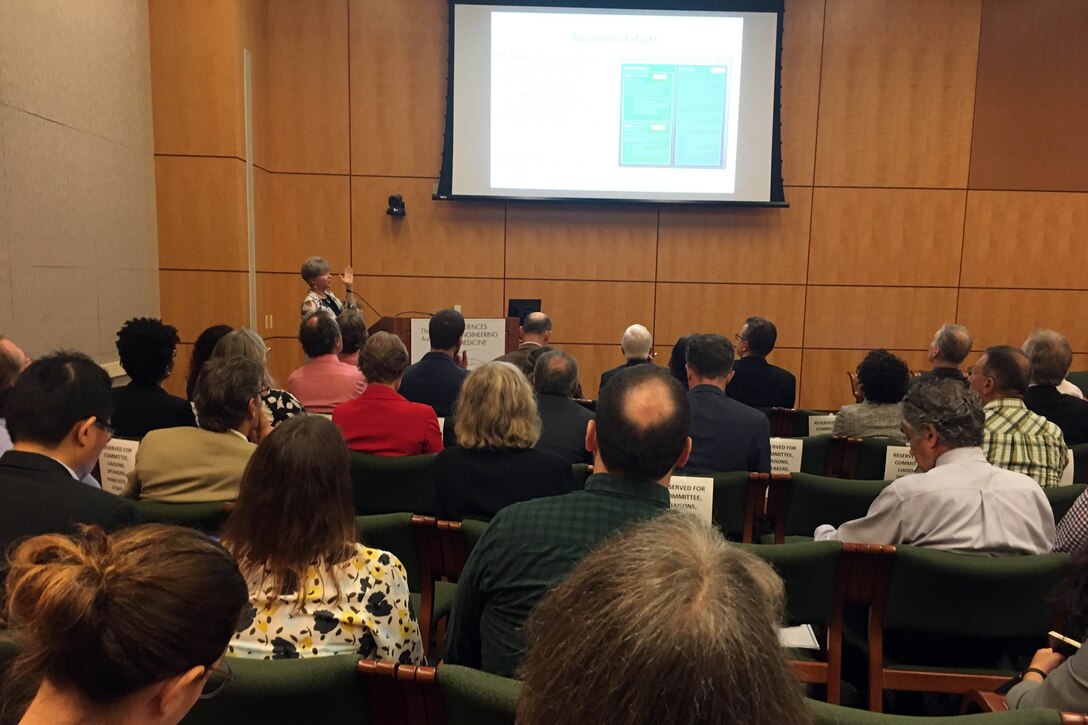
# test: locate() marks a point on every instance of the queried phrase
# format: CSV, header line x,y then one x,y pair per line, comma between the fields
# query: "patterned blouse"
x,y
279,405
372,618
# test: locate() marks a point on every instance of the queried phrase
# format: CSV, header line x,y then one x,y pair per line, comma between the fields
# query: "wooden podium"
x,y
402,328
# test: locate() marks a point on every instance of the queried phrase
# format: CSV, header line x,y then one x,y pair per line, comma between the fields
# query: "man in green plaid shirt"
x,y
639,436
1016,439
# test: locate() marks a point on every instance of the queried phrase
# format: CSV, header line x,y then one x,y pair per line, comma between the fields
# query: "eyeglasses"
x,y
217,680
104,426
265,391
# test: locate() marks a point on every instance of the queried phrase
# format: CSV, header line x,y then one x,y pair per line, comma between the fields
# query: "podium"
x,y
402,328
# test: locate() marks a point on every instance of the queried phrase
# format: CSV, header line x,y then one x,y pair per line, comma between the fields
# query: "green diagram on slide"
x,y
674,115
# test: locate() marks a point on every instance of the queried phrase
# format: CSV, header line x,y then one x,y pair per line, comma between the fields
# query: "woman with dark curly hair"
x,y
883,379
147,348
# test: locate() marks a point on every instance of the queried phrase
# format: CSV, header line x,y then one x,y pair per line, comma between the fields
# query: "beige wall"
x,y
78,251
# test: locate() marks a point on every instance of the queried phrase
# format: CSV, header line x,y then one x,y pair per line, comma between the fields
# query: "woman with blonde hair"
x,y
494,463
279,405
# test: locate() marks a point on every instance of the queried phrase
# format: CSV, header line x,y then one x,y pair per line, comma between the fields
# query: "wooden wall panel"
x,y
581,241
284,355
897,318
825,386
736,245
303,126
1005,316
194,301
398,86
589,312
722,308
435,238
802,46
393,295
196,77
1007,232
896,93
1031,102
279,300
886,236
299,216
201,205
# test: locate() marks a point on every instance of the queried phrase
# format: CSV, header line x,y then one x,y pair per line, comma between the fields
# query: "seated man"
x,y
353,335
562,421
58,414
639,436
380,421
197,465
755,381
950,347
323,382
1051,356
725,435
961,502
1016,439
437,378
637,346
535,332
147,348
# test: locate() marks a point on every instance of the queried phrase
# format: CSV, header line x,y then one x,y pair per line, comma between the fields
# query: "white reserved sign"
x,y
484,340
117,460
786,455
899,462
821,424
694,494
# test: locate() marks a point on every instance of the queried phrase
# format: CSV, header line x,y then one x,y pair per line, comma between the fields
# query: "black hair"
x,y
318,334
678,360
883,377
353,331
53,394
555,373
445,329
761,336
1009,367
146,346
202,350
710,356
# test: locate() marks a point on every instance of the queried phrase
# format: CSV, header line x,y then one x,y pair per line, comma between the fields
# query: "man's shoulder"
x,y
780,373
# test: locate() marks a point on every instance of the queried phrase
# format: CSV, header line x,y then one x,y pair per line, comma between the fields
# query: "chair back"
x,y
873,458
799,502
1061,498
393,533
472,697
207,517
115,462
738,502
825,714
809,571
400,694
814,453
1080,462
1078,378
385,485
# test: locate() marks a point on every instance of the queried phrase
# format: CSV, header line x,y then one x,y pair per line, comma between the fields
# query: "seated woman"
x,y
279,405
147,348
381,421
494,463
124,628
315,271
883,380
202,350
314,591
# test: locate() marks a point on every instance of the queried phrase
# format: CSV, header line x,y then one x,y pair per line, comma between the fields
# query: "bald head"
x,y
636,342
1001,372
555,373
319,334
951,346
536,328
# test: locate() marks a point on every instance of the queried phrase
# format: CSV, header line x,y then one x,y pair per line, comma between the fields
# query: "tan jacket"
x,y
189,465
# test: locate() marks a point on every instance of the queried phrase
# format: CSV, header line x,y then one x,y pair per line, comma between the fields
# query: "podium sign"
x,y
484,340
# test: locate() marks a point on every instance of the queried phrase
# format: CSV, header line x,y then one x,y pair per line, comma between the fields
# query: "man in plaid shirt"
x,y
1016,439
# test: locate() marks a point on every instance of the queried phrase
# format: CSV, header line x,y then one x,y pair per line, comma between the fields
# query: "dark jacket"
x,y
563,428
759,384
726,435
139,408
1068,413
475,484
607,374
435,380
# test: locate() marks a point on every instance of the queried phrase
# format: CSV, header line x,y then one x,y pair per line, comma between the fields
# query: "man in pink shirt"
x,y
324,382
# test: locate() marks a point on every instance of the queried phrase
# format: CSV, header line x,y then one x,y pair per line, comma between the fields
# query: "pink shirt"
x,y
325,382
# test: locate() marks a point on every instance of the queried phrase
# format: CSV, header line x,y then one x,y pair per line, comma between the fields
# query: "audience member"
x,y
1016,439
1071,534
950,347
58,415
961,502
279,405
314,591
195,465
437,378
1051,356
315,272
725,435
202,350
323,382
534,332
705,665
637,346
494,463
756,382
12,363
639,436
883,380
381,421
126,628
353,333
562,421
147,348
678,361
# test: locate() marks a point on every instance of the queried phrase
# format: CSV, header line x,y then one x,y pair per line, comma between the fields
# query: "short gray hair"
x,y
954,343
954,411
555,373
248,344
314,267
637,342
223,391
1050,355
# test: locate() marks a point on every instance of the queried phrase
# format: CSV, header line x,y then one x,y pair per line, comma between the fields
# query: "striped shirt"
x,y
1018,440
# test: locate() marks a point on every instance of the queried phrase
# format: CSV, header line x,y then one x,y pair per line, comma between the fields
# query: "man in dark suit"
x,y
756,382
725,435
1051,356
535,332
637,344
436,379
58,416
950,347
562,421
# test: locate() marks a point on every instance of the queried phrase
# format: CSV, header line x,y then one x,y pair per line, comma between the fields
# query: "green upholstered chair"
x,y
1078,378
825,714
204,516
317,690
738,502
814,454
799,502
872,458
581,473
472,697
386,485
443,548
1062,497
1080,462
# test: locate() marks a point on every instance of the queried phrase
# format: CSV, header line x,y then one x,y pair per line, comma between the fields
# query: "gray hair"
x,y
223,391
314,267
954,411
1050,354
248,344
637,342
953,342
555,373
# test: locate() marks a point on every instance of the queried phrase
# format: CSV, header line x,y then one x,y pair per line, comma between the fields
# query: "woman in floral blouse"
x,y
314,591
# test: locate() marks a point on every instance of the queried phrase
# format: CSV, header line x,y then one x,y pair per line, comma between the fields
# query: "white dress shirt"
x,y
964,504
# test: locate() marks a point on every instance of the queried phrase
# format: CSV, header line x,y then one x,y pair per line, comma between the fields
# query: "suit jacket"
x,y
607,374
475,484
1068,413
726,435
142,407
189,465
759,384
382,423
520,357
435,380
563,428
39,496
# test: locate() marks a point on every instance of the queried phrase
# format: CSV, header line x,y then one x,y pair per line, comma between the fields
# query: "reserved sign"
x,y
898,463
694,494
786,455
